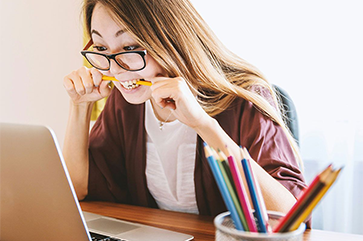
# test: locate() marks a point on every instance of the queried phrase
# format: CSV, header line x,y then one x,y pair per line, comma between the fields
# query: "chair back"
x,y
290,112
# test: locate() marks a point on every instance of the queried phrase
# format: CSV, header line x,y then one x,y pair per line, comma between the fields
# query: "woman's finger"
x,y
77,82
164,96
69,86
86,80
104,89
96,77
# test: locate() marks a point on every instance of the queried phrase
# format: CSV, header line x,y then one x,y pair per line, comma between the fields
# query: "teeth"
x,y
131,84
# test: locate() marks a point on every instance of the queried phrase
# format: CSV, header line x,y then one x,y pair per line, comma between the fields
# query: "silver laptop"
x,y
37,199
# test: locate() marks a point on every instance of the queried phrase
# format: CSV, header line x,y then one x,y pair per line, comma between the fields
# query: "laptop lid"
x,y
37,202
37,199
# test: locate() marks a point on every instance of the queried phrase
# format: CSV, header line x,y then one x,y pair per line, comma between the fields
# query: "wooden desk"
x,y
201,227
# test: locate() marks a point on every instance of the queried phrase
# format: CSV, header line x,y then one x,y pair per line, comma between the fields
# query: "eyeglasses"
x,y
130,60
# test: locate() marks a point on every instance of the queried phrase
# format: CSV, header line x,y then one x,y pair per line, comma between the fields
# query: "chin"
x,y
135,96
133,101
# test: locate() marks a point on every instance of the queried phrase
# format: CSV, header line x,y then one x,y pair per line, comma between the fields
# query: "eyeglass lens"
x,y
128,61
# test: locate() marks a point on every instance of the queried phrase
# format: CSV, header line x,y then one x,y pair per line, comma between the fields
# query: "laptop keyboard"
x,y
100,237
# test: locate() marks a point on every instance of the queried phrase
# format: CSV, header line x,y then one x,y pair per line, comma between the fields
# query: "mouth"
x,y
131,84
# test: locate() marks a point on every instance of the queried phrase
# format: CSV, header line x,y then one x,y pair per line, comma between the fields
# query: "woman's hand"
x,y
175,94
86,85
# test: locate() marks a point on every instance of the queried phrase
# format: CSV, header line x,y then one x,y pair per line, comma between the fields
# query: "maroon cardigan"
x,y
117,154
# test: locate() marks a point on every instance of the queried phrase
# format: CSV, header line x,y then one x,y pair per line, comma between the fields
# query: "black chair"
x,y
290,112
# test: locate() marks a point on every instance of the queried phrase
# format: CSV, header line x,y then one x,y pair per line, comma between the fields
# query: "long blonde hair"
x,y
177,37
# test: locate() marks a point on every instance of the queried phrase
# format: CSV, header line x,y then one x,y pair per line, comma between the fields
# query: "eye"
x,y
131,48
100,48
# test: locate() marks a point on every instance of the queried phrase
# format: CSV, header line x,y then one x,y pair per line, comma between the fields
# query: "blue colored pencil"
x,y
253,193
258,191
222,187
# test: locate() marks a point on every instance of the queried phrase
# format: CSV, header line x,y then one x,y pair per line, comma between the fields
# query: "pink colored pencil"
x,y
241,192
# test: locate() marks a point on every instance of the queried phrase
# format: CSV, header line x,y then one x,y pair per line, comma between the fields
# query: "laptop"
x,y
37,199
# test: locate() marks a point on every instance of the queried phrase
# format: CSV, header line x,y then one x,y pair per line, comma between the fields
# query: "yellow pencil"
x,y
109,78
139,82
144,82
329,180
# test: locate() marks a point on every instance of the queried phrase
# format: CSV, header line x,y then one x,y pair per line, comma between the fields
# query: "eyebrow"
x,y
118,33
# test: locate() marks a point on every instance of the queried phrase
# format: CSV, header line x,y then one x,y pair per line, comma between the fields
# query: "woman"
x,y
146,146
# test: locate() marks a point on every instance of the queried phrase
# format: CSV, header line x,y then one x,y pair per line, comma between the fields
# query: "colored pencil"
x,y
308,210
308,200
139,82
241,192
287,219
230,177
261,222
214,165
259,193
226,173
223,159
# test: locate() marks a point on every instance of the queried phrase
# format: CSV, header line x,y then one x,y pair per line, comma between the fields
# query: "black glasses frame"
x,y
84,52
142,53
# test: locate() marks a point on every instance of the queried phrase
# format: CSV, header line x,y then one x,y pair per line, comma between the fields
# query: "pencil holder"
x,y
225,230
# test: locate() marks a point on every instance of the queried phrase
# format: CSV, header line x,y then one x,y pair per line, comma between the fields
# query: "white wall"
x,y
313,49
40,43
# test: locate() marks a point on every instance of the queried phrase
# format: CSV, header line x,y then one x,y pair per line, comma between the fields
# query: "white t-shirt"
x,y
170,162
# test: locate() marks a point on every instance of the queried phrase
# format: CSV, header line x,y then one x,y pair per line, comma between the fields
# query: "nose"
x,y
115,69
